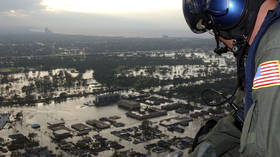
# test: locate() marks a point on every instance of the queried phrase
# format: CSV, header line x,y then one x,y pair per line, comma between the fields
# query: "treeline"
x,y
105,67
42,44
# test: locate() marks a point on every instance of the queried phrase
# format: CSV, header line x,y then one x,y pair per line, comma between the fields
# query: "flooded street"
x,y
73,111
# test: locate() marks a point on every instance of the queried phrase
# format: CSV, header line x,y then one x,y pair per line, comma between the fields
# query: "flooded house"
x,y
62,134
4,119
55,123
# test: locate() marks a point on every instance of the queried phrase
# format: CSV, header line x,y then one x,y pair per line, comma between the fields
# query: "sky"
x,y
131,18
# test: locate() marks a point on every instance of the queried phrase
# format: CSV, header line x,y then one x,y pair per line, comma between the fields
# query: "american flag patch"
x,y
268,75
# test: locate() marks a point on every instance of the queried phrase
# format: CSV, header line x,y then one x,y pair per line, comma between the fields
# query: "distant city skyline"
x,y
131,18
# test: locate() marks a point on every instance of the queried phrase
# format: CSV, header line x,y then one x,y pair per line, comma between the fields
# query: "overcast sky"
x,y
142,18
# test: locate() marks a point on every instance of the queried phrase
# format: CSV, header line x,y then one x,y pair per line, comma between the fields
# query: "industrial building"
x,y
129,105
152,113
103,100
98,124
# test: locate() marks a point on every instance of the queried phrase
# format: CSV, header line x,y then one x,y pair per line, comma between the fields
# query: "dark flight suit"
x,y
261,134
223,140
261,130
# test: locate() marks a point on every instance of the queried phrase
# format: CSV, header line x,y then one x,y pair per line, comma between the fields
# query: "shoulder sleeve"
x,y
267,67
266,92
269,47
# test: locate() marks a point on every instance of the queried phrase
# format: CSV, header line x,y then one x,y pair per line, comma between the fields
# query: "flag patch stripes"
x,y
268,74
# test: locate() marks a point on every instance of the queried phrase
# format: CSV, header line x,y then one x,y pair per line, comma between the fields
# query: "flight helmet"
x,y
230,19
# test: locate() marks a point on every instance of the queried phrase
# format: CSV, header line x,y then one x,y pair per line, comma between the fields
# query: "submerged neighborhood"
x,y
135,103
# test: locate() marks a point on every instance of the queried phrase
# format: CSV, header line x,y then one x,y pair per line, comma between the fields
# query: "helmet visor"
x,y
218,7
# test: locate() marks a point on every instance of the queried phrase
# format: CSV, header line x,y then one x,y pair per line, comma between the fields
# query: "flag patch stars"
x,y
268,75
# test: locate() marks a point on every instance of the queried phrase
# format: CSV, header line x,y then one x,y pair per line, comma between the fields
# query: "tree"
x,y
146,126
31,136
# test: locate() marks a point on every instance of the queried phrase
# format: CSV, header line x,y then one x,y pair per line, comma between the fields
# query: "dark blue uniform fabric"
x,y
271,18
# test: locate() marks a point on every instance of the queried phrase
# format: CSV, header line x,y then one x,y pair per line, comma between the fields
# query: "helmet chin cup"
x,y
200,25
221,50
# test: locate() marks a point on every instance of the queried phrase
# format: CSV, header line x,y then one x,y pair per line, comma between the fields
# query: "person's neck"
x,y
265,7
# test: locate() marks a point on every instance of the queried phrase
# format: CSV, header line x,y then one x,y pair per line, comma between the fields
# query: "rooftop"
x,y
57,122
4,118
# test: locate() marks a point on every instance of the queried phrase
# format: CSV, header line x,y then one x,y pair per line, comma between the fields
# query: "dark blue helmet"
x,y
228,18
221,14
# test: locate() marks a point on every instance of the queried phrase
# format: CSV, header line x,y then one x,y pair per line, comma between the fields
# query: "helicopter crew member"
x,y
251,30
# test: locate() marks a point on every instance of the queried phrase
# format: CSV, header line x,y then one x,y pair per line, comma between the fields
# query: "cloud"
x,y
23,5
111,6
150,24
32,15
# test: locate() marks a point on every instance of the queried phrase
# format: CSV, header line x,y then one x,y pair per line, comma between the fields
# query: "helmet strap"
x,y
219,50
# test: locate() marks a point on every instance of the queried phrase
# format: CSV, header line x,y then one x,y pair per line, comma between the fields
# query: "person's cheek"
x,y
227,43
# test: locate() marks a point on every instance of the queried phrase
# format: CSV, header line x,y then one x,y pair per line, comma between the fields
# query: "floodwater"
x,y
167,72
18,80
73,111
